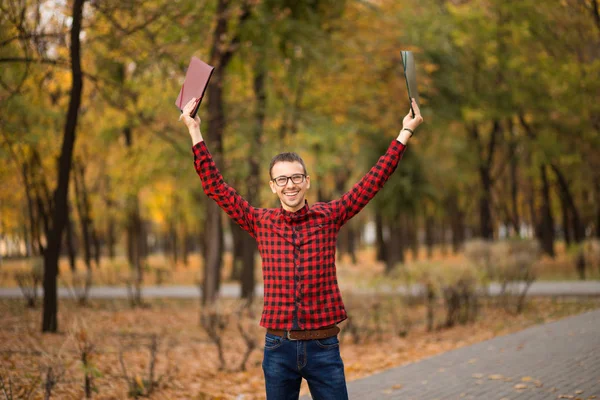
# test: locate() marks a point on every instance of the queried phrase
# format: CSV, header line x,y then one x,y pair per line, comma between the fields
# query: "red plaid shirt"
x,y
297,248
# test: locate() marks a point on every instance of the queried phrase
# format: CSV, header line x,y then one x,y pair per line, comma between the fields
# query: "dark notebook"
x,y
196,80
408,61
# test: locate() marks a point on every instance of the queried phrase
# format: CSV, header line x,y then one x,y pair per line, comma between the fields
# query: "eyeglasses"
x,y
283,180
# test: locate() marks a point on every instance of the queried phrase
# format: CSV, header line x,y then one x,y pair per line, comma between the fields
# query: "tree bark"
x,y
59,215
395,252
70,236
352,235
442,236
429,235
514,180
570,209
252,194
220,57
566,224
237,252
380,242
413,236
546,218
597,202
83,209
486,230
34,232
135,236
110,223
185,246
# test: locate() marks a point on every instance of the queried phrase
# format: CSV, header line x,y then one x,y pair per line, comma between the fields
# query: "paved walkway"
x,y
557,360
567,288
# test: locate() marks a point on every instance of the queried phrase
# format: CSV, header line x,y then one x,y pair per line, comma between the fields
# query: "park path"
x,y
556,360
566,288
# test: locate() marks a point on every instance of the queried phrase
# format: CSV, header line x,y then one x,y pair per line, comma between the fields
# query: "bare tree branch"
x,y
59,62
28,36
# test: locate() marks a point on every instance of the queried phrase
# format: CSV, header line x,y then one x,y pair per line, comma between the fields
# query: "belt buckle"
x,y
287,335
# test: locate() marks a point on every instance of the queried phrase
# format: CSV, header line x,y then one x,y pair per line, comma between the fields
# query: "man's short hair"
x,y
286,157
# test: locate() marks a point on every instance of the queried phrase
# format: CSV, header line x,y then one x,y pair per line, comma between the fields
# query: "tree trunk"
x,y
248,262
457,225
486,230
429,235
59,212
352,234
546,219
110,223
442,237
566,225
135,236
252,193
380,242
412,236
571,211
173,242
83,209
34,232
213,253
185,246
597,203
237,252
514,180
395,252
213,230
70,238
485,213
96,244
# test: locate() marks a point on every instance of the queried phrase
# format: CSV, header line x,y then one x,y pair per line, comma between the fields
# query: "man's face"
x,y
291,194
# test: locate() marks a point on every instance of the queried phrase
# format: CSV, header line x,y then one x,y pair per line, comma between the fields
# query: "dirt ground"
x,y
186,363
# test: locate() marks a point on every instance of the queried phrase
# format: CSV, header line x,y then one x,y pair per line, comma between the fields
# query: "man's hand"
x,y
410,123
193,124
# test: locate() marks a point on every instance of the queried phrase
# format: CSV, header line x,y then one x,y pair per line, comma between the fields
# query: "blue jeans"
x,y
286,362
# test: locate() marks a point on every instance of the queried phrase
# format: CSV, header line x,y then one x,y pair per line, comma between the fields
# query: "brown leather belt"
x,y
307,334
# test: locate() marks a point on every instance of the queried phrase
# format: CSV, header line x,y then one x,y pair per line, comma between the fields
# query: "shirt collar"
x,y
291,216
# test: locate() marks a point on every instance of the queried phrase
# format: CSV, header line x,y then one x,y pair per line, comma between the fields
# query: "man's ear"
x,y
272,184
307,182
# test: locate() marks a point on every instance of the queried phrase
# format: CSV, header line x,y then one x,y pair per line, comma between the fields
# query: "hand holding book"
x,y
410,75
196,81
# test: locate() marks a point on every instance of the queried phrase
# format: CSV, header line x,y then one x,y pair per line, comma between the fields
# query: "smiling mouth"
x,y
291,194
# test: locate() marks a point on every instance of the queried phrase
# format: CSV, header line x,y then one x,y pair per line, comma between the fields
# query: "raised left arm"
x,y
362,192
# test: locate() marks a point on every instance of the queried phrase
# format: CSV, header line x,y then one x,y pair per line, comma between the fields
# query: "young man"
x,y
297,242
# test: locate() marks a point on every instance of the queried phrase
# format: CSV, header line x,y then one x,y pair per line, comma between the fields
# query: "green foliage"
x,y
334,92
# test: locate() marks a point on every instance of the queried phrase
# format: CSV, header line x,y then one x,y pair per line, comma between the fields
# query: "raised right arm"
x,y
212,181
224,195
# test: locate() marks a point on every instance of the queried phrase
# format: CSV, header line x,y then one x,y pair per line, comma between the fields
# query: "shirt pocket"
x,y
318,231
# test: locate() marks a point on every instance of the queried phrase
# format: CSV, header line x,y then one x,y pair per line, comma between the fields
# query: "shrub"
x,y
29,280
515,262
455,282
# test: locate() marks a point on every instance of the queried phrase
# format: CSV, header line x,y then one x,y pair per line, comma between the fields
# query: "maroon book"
x,y
196,80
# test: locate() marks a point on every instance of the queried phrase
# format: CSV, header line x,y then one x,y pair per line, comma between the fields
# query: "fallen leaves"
x,y
192,357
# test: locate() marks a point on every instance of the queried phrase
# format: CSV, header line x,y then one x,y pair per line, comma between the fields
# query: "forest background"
x,y
97,172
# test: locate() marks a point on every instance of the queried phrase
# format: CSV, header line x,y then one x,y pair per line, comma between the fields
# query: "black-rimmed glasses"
x,y
283,180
